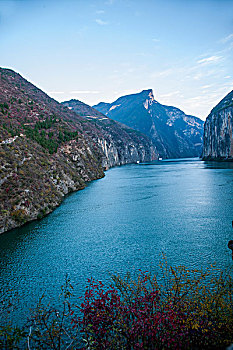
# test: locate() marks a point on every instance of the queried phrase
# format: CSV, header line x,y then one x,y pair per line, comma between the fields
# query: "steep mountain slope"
x,y
47,150
119,142
218,138
173,133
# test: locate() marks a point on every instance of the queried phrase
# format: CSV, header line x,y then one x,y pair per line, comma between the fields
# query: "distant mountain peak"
x,y
173,133
149,93
149,98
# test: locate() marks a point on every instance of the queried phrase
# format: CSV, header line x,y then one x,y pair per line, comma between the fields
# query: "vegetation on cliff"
x,y
47,150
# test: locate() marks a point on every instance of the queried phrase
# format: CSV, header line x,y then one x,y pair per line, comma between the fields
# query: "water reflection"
x,y
218,165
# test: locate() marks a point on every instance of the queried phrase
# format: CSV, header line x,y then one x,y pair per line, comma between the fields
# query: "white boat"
x,y
160,158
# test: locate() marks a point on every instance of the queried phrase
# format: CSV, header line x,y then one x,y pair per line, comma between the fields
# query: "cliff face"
x,y
218,141
173,133
48,150
119,143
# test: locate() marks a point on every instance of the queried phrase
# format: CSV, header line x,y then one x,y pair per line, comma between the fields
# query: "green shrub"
x,y
19,215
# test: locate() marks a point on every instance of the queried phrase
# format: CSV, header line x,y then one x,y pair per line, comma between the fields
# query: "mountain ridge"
x,y
48,150
173,133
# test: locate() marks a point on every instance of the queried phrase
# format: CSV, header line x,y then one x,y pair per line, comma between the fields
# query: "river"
x,y
123,222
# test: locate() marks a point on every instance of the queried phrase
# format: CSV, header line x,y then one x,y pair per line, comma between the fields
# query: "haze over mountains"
x,y
173,133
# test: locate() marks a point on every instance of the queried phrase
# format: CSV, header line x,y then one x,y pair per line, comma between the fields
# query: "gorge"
x,y
47,150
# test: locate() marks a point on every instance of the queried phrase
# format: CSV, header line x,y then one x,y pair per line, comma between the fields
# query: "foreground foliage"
x,y
183,309
178,309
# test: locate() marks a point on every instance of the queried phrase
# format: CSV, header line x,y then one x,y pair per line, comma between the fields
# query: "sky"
x,y
99,50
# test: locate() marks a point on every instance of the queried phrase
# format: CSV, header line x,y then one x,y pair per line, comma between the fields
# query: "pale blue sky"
x,y
98,50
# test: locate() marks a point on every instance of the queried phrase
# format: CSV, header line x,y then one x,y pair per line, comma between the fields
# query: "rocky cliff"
x,y
119,143
173,133
48,150
218,138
